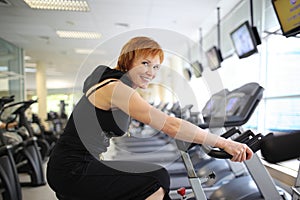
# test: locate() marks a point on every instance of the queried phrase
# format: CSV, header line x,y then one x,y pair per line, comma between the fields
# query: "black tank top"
x,y
90,128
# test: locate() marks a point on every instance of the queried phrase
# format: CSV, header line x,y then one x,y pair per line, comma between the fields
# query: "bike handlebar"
x,y
254,143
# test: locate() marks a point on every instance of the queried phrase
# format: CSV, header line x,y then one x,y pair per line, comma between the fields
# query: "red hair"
x,y
138,47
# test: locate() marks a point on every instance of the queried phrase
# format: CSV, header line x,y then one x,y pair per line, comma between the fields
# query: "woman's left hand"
x,y
239,151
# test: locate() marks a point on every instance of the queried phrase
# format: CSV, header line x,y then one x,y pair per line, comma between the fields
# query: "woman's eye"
x,y
156,67
145,63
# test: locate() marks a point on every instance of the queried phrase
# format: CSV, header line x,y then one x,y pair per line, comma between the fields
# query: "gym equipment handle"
x,y
253,142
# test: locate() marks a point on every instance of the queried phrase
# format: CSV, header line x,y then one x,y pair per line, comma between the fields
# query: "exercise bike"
x,y
248,137
233,109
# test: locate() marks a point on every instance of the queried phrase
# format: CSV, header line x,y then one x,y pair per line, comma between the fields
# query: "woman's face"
x,y
144,70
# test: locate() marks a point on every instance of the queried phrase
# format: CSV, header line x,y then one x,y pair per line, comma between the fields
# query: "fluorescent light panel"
x,y
78,35
27,58
32,65
89,51
30,70
67,5
84,51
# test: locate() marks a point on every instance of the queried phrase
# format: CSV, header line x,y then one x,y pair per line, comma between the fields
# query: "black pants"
x,y
109,180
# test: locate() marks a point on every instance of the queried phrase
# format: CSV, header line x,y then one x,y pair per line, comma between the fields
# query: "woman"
x,y
75,169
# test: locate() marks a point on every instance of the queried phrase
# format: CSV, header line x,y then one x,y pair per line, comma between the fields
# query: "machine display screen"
x,y
288,14
231,104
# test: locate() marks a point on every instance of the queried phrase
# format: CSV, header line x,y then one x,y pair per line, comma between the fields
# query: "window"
x,y
282,114
282,84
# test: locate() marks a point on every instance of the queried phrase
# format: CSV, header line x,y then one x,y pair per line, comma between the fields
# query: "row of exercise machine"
x,y
202,172
196,171
25,145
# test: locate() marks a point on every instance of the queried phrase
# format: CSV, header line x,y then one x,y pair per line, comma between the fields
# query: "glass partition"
x,y
11,70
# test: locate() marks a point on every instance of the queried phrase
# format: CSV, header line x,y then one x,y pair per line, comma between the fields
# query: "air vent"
x,y
4,3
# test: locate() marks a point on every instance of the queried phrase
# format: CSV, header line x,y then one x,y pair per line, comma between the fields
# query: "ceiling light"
x,y
32,65
78,35
89,51
84,51
27,58
68,5
30,70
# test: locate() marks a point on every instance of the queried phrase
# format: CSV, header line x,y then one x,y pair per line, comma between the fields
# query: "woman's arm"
x,y
119,95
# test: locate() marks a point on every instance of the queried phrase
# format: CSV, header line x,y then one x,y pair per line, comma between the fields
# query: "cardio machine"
x,y
240,104
215,119
262,186
26,153
10,187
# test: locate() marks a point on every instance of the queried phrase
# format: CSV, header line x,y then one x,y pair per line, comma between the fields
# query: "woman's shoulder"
x,y
103,72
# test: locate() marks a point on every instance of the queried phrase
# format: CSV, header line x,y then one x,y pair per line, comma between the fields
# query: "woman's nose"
x,y
150,70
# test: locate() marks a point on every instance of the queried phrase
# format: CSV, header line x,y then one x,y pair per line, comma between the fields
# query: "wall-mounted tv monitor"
x,y
197,69
288,14
244,40
214,58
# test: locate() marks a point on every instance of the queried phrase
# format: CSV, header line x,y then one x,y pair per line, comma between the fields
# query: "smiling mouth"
x,y
146,79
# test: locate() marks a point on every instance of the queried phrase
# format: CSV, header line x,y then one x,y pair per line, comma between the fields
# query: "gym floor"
x,y
37,193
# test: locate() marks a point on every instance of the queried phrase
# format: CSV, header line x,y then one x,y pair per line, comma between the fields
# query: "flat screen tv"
x,y
288,15
214,58
197,69
244,40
